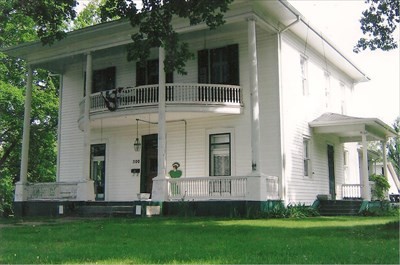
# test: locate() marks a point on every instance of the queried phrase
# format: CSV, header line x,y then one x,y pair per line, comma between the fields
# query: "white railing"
x,y
51,191
204,188
351,191
206,94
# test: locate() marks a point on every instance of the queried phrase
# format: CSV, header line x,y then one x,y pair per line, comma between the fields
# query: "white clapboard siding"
x,y
71,151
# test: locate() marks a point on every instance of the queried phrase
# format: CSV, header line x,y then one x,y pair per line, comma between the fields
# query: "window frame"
x,y
211,170
225,59
307,161
304,75
148,73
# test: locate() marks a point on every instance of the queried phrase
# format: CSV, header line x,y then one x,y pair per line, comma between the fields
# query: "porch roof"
x,y
350,129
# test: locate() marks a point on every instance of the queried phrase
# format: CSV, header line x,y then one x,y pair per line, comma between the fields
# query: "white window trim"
x,y
304,75
307,139
207,148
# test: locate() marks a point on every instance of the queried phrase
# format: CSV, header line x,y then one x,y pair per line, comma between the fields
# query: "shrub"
x,y
292,211
381,186
6,196
380,208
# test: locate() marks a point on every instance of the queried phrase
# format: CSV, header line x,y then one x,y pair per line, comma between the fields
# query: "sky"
x,y
338,20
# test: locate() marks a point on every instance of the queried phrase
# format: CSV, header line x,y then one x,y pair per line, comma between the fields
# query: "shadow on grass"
x,y
204,240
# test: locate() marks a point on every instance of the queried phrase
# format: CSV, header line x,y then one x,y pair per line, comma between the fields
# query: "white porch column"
x,y
253,81
384,151
366,190
385,169
160,187
86,188
23,176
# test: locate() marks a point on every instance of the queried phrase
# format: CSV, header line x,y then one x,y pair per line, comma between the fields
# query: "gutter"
x,y
286,4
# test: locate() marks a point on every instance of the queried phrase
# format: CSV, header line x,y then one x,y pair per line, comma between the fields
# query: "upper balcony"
x,y
212,98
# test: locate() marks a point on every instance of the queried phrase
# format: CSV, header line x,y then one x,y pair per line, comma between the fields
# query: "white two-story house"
x,y
264,113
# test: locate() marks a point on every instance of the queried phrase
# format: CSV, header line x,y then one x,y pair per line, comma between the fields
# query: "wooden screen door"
x,y
149,166
331,171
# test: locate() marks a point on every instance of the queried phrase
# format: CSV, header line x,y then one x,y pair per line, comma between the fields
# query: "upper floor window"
x,y
220,154
147,74
327,77
103,79
219,65
343,98
304,74
306,157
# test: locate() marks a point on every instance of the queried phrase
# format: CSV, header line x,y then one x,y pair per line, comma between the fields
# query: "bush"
x,y
292,211
381,186
380,208
6,196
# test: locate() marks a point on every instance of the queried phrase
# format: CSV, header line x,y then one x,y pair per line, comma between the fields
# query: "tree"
x,y
379,23
89,16
15,28
155,27
50,17
394,147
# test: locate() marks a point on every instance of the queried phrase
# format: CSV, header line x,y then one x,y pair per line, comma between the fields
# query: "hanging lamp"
x,y
137,144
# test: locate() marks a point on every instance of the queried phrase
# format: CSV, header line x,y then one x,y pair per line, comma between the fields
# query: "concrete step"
x,y
338,208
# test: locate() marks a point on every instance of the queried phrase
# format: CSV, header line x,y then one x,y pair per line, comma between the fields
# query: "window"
x,y
220,154
343,98
304,74
219,66
102,80
327,88
306,157
148,74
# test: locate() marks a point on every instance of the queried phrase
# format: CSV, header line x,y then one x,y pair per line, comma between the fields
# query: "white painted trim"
x,y
207,148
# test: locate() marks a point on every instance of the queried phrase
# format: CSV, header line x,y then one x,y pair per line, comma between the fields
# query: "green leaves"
x,y
154,22
378,23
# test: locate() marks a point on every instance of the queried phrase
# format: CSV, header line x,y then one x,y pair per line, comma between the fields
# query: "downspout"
x,y
283,184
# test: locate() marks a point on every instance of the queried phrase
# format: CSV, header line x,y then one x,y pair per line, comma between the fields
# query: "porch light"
x,y
137,144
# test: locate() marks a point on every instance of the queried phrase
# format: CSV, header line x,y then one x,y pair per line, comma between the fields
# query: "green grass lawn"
x,y
362,240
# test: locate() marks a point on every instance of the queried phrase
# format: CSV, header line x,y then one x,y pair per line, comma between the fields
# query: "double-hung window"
x,y
147,74
220,154
306,157
304,75
102,80
219,65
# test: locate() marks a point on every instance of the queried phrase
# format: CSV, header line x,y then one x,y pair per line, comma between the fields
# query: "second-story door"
x,y
149,167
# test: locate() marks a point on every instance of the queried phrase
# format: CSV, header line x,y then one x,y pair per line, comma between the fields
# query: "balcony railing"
x,y
198,94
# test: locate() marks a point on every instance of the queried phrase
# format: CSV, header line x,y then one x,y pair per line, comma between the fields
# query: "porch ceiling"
x,y
350,129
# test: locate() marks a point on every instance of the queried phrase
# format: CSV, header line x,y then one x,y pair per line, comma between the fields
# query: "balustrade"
x,y
351,191
51,191
208,94
207,187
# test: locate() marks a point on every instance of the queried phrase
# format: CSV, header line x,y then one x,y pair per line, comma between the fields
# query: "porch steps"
x,y
339,207
105,209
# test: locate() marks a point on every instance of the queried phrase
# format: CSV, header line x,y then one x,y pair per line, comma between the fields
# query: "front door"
x,y
331,171
149,167
98,170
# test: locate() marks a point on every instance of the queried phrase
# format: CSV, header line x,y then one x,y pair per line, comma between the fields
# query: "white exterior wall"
x,y
299,110
71,145
121,184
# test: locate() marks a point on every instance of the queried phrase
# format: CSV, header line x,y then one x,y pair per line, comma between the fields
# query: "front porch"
x,y
248,188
